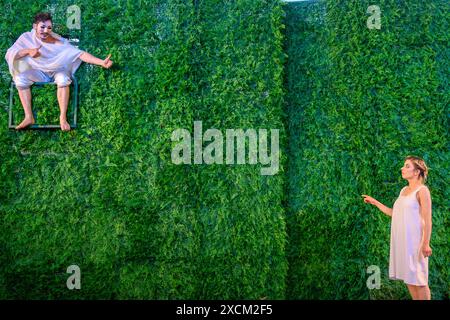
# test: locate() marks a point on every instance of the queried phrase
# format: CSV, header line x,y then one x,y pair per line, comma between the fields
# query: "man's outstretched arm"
x,y
89,58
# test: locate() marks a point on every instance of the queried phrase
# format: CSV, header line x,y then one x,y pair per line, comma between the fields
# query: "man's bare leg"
x,y
63,100
25,99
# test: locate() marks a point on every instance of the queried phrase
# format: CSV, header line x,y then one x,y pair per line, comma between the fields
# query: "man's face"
x,y
43,29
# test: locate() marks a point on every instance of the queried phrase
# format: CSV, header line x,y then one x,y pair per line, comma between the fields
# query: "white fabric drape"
x,y
54,56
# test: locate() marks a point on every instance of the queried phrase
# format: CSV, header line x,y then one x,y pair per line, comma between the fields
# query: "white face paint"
x,y
43,29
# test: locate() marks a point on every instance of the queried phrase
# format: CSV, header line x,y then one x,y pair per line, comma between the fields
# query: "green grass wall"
x,y
349,102
107,197
359,101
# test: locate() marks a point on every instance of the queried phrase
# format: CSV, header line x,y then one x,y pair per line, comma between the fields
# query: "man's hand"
x,y
34,53
107,63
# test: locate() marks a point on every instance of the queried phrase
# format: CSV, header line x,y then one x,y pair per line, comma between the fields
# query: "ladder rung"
x,y
43,126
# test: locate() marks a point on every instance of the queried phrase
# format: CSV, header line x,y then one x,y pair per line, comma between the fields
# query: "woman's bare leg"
x,y
412,290
423,293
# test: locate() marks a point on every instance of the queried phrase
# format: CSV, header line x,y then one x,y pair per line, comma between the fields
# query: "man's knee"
x,y
22,81
25,80
62,79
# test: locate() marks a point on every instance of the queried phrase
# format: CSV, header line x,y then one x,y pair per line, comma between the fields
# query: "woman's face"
x,y
408,170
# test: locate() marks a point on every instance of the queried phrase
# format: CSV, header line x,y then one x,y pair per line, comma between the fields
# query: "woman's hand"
x,y
426,250
107,63
368,199
378,204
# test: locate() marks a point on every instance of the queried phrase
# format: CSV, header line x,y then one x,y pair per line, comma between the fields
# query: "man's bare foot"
x,y
28,121
65,126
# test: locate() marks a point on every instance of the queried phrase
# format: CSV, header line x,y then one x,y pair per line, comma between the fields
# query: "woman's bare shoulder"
x,y
423,193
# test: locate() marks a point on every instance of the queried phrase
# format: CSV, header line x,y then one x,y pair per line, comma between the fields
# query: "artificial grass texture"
x,y
107,197
359,101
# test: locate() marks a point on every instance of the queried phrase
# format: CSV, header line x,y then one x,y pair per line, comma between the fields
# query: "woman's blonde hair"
x,y
420,165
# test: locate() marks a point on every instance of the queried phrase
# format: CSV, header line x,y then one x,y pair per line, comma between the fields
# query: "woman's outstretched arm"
x,y
378,204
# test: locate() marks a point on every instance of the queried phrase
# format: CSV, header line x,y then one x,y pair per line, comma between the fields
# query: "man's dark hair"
x,y
42,17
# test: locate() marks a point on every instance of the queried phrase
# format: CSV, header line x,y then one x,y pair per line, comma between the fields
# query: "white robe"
x,y
54,56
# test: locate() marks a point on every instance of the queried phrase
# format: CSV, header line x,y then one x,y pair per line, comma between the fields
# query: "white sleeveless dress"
x,y
406,261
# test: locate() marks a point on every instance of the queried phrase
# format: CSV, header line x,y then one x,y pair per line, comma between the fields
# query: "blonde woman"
x,y
410,229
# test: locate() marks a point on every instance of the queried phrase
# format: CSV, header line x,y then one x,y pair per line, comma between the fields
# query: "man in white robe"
x,y
43,56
